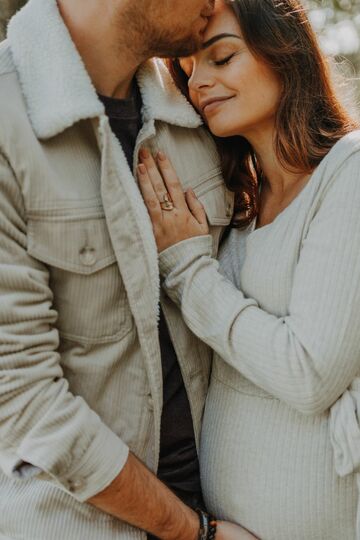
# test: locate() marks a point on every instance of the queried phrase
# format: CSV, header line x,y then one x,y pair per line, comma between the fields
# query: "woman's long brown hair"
x,y
310,118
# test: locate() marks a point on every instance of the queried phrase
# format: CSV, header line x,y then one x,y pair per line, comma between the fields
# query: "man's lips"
x,y
210,104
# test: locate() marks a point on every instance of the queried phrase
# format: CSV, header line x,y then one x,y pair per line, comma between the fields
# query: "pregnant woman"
x,y
281,308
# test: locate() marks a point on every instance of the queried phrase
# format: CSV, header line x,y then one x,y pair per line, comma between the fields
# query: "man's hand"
x,y
230,531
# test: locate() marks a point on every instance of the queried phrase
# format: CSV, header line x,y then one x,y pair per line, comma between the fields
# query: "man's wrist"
x,y
137,497
191,527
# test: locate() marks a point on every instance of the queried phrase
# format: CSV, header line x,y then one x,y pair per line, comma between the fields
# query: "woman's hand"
x,y
230,531
175,216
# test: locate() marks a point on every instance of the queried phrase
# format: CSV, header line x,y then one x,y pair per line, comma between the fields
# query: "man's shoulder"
x,y
194,148
13,110
10,89
6,62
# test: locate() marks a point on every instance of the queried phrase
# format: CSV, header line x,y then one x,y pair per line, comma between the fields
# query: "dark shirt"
x,y
178,465
125,120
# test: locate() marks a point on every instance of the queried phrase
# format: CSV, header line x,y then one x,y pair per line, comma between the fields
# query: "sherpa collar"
x,y
56,86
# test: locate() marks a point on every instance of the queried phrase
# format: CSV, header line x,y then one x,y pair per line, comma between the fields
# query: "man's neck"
x,y
110,61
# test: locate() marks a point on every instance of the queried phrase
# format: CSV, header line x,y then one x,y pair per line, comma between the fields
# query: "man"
x,y
95,395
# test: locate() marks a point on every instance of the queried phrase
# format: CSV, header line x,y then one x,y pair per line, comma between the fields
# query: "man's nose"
x,y
209,9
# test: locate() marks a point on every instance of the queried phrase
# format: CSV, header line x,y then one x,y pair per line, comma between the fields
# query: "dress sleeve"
x,y
309,357
45,430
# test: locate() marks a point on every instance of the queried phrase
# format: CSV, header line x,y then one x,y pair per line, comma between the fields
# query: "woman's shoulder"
x,y
339,171
345,148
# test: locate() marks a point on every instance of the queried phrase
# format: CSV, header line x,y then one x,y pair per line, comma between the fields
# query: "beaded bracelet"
x,y
208,525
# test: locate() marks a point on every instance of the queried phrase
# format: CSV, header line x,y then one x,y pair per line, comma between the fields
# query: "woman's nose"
x,y
199,80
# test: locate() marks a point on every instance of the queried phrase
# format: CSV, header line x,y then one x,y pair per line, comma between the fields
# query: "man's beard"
x,y
148,40
165,45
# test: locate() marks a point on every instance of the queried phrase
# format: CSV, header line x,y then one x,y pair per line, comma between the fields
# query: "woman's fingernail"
x,y
141,168
161,156
192,193
144,153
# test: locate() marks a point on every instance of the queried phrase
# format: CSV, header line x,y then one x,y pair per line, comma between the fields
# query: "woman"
x,y
282,311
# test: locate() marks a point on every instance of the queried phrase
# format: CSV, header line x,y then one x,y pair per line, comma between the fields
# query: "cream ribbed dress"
x,y
287,343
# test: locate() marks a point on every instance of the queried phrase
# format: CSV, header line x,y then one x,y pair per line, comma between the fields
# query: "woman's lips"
x,y
214,104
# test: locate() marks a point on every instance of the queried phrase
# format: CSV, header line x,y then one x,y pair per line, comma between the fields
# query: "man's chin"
x,y
182,48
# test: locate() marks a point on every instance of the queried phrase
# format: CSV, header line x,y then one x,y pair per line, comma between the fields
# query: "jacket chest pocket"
x,y
89,294
217,200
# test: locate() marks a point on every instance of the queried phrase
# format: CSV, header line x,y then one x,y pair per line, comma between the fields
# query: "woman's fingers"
x,y
196,208
186,217
171,180
163,177
153,173
150,197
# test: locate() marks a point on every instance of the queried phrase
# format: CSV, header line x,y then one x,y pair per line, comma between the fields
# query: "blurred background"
x,y
7,9
337,23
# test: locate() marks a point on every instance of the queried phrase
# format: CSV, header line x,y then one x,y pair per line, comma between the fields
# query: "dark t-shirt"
x,y
178,465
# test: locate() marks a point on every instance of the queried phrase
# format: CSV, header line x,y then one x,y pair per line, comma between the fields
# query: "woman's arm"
x,y
309,357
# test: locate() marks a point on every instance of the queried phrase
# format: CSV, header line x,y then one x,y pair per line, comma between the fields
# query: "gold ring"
x,y
166,203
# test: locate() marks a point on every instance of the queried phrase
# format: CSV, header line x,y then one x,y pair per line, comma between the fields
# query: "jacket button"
x,y
75,485
150,403
229,210
88,256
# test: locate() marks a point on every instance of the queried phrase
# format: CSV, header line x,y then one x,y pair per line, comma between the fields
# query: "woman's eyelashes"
x,y
189,66
224,61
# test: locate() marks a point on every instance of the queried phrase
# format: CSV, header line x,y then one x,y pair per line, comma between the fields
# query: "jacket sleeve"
x,y
44,429
309,357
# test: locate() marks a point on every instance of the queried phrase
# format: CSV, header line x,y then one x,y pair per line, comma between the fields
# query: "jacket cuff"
x,y
94,464
98,467
180,256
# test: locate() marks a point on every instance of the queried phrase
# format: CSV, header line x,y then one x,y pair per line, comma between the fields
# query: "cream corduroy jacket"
x,y
80,365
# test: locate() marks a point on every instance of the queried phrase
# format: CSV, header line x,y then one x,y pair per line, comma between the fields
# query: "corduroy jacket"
x,y
80,365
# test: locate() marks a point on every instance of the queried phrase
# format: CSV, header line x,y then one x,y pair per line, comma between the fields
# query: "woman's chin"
x,y
221,131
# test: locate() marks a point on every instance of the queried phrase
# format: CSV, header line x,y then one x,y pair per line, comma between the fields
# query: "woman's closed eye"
x,y
224,61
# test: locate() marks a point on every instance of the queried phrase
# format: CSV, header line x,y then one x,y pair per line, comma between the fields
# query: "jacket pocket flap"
x,y
218,201
81,245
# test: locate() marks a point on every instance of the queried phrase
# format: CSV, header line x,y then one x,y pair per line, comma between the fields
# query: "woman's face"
x,y
236,93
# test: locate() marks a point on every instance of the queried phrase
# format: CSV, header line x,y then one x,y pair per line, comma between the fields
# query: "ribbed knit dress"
x,y
282,312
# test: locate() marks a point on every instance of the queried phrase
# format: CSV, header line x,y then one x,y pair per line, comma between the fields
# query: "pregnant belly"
x,y
270,469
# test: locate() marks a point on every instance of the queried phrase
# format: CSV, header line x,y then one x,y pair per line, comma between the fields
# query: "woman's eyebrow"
x,y
212,40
